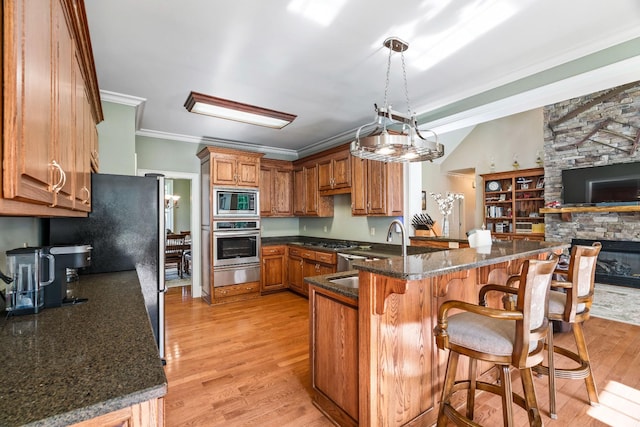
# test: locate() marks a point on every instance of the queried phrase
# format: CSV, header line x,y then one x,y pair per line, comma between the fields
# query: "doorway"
x,y
191,198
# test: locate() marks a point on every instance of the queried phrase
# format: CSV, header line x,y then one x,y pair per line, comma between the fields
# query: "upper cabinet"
x,y
334,172
376,188
51,107
233,168
276,188
307,200
512,203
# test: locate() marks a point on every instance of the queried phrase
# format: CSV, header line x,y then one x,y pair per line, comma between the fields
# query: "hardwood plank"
x,y
246,363
239,364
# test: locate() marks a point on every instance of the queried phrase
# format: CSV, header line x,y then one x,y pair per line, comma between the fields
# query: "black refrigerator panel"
x,y
123,228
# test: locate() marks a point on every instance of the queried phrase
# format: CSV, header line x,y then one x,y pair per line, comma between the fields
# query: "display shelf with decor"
x,y
512,203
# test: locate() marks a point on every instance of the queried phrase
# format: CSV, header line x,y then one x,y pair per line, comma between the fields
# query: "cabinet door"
x,y
247,171
64,101
359,186
27,77
334,329
325,174
83,137
266,191
311,190
273,273
224,170
294,273
282,195
377,183
299,191
342,170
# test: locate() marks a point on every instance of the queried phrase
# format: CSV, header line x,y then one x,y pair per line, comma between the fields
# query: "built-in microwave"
x,y
234,202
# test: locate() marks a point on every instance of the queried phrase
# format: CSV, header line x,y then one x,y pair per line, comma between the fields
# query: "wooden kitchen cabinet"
x,y
234,168
51,106
274,268
334,172
334,354
307,200
276,188
303,262
512,203
295,277
145,414
377,188
213,160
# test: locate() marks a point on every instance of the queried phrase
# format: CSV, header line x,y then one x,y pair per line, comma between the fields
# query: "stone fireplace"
x,y
594,130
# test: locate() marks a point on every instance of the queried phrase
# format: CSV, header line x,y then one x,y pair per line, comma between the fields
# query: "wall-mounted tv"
x,y
606,185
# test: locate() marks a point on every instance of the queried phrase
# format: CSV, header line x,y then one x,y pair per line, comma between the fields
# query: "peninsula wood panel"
x,y
334,354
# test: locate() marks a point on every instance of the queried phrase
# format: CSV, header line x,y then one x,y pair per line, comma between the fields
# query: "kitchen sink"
x,y
349,282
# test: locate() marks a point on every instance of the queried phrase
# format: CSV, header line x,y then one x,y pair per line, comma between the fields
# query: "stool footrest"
x,y
577,373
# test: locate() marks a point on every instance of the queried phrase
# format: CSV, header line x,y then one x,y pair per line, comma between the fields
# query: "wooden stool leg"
x,y
471,394
530,397
578,334
507,395
552,375
447,388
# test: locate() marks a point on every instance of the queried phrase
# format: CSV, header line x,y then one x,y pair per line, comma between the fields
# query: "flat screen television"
x,y
617,184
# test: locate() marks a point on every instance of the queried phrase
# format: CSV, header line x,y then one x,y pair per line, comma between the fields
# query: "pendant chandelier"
x,y
395,136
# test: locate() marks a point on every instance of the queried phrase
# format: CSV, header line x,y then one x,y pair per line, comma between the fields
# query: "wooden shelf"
x,y
578,209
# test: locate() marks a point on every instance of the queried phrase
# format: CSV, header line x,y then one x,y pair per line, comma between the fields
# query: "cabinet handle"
x,y
86,201
61,178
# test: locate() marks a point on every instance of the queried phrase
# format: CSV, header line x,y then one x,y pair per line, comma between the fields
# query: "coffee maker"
x,y
68,258
30,272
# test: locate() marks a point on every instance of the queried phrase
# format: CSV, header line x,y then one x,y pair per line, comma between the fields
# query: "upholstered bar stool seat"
x,y
572,304
504,337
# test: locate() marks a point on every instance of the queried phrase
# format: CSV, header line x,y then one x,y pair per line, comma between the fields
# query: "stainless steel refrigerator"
x,y
126,229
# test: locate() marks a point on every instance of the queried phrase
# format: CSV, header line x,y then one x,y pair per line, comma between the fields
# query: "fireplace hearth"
x,y
618,262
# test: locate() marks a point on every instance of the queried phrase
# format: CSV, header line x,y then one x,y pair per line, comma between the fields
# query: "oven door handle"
x,y
221,233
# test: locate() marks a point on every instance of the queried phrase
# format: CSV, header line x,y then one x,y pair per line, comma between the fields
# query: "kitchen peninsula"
x,y
94,363
375,340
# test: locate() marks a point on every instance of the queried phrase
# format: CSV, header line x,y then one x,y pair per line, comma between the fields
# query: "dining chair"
x,y
500,336
570,301
174,252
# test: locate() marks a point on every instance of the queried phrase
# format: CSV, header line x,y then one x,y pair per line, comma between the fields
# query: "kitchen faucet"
x,y
402,231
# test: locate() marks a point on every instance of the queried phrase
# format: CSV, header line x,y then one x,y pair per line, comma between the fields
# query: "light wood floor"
x,y
246,364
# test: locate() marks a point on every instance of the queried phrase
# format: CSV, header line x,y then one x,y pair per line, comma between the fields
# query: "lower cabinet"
x,y
145,414
274,269
334,355
303,263
237,292
295,278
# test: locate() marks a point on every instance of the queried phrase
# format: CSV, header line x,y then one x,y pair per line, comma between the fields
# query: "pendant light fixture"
x,y
395,136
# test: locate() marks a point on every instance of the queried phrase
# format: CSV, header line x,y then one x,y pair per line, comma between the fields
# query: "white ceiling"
x,y
468,60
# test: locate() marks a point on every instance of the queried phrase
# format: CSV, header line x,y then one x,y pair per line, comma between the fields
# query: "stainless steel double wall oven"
x,y
236,236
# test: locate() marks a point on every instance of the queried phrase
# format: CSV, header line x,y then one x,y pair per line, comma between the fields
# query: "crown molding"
x,y
280,153
128,100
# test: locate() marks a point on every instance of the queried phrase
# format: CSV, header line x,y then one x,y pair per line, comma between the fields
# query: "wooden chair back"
x,y
582,276
533,302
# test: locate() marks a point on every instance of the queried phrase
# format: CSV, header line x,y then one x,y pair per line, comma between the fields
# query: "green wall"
x,y
163,154
117,139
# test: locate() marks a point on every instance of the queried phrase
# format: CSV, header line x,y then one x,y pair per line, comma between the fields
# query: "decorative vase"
x,y
445,226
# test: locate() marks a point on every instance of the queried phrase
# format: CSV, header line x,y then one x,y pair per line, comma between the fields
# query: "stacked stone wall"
x,y
563,150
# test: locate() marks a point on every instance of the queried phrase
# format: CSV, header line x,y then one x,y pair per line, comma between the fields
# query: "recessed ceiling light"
x,y
232,110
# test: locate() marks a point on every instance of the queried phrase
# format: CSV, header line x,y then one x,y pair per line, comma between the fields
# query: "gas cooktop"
x,y
331,245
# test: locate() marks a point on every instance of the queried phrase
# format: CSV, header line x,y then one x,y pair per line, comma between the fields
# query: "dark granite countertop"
x,y
431,264
68,364
323,281
379,250
438,239
415,267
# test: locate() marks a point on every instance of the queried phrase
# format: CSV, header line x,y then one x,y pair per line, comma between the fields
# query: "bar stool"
x,y
504,337
572,304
